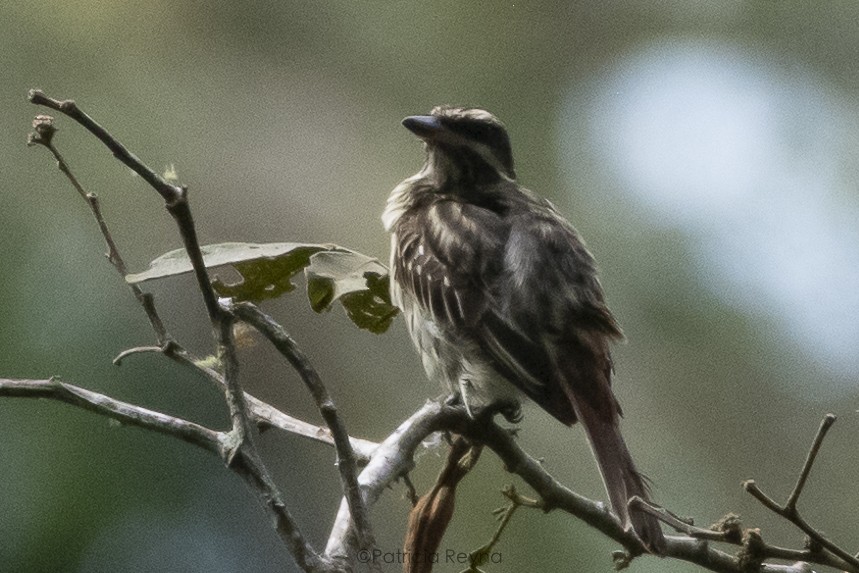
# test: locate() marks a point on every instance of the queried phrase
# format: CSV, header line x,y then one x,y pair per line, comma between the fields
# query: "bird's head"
x,y
464,144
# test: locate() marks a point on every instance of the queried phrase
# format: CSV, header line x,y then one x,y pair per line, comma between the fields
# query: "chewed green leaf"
x,y
177,263
359,282
333,274
266,269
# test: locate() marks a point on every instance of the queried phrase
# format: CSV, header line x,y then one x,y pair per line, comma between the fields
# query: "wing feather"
x,y
520,283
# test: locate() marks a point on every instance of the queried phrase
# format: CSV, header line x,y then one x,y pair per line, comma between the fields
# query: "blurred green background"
x,y
708,152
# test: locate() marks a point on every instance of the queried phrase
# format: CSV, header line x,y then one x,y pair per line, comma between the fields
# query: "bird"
x,y
501,296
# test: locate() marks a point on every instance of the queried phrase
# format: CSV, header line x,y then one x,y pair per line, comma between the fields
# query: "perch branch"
x,y
393,459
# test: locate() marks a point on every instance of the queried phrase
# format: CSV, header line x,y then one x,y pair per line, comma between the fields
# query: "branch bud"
x,y
43,126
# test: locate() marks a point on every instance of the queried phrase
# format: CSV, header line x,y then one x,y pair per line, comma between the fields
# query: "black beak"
x,y
424,126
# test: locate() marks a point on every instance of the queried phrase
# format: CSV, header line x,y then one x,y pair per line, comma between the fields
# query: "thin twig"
x,y
70,109
825,424
768,502
837,557
671,520
175,196
176,201
124,412
266,416
480,555
241,432
791,513
249,466
346,463
43,134
136,350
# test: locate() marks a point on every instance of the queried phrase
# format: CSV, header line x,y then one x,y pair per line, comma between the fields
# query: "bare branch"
x,y
830,553
238,444
68,107
43,135
394,458
136,350
175,196
266,416
504,514
825,424
124,412
241,431
210,440
670,519
176,201
346,463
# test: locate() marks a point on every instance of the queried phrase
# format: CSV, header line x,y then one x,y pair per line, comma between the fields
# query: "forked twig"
x,y
346,463
504,514
791,513
176,200
43,134
239,446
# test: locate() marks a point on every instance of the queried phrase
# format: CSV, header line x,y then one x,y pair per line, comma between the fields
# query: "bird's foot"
x,y
511,410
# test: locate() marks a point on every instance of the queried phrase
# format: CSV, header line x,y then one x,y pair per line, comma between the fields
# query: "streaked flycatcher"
x,y
501,296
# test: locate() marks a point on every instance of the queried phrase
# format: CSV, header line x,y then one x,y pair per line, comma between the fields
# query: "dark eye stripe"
x,y
489,134
478,131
